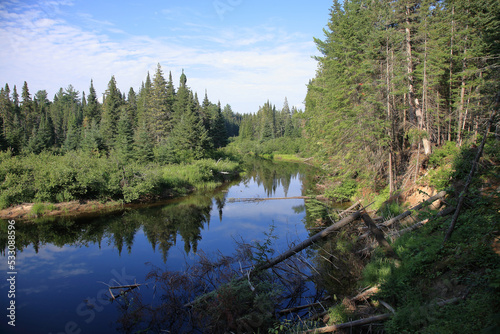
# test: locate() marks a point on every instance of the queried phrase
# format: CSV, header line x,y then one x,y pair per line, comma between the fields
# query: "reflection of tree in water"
x,y
186,219
272,175
161,226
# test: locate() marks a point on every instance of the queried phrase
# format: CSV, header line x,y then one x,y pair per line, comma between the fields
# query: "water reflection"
x,y
162,224
63,261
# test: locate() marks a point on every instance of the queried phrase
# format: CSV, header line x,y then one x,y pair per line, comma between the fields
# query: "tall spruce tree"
x,y
158,111
110,113
124,141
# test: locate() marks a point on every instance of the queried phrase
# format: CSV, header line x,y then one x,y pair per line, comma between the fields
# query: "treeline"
x,y
270,123
159,122
271,130
400,76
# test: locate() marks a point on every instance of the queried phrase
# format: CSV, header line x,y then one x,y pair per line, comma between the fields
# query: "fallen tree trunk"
x,y
333,328
306,243
471,174
380,317
258,199
379,236
349,208
405,214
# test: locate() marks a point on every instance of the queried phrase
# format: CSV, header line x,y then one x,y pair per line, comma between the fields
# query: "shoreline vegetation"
x,y
81,183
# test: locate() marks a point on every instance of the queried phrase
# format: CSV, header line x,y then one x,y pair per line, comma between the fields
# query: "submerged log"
x,y
258,199
304,244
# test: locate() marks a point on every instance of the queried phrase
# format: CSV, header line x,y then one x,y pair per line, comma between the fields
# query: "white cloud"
x,y
242,66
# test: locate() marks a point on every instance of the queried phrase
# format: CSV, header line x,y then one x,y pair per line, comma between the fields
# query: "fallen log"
x,y
365,321
405,214
258,199
301,246
379,236
365,294
298,308
396,234
349,208
306,243
333,328
127,287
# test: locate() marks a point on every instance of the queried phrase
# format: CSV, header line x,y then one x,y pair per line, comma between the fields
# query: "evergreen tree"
x,y
158,102
218,131
110,114
132,107
124,142
91,109
182,98
190,139
143,144
73,137
27,113
92,139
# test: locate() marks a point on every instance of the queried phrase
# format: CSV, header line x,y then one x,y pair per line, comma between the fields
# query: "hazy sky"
x,y
243,52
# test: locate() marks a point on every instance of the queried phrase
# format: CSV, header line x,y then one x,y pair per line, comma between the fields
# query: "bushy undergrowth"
x,y
86,176
465,267
343,191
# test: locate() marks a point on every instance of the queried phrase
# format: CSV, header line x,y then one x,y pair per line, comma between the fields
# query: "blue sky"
x,y
243,52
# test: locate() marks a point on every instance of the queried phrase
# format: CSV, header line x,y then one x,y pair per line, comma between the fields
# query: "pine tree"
x,y
73,137
143,144
92,139
159,114
218,131
110,114
189,138
124,141
182,99
132,107
27,113
142,101
91,110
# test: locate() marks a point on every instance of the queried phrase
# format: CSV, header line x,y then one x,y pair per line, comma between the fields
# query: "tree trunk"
x,y
306,243
463,193
409,67
379,236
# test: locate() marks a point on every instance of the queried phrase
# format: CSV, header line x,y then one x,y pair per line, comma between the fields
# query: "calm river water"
x,y
64,266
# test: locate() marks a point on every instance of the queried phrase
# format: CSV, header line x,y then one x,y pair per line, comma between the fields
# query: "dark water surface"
x,y
64,266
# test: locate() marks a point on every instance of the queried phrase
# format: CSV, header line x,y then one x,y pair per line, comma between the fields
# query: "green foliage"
x,y
338,314
430,272
444,154
84,175
391,209
342,192
39,209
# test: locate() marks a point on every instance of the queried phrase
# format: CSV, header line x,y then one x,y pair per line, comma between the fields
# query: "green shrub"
x,y
444,155
342,192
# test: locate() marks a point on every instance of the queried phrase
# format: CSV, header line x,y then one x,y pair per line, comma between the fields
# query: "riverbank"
x,y
429,284
48,185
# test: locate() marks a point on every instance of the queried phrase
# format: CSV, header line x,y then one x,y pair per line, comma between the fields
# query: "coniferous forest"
x,y
395,76
75,147
404,91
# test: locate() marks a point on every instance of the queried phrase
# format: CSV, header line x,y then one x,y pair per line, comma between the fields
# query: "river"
x,y
64,266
